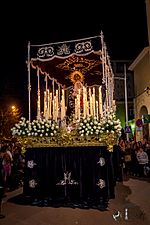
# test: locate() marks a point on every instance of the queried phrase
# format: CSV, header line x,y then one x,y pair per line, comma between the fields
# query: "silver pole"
x,y
103,68
38,93
126,98
29,82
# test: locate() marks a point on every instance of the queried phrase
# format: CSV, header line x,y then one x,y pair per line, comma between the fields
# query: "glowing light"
x,y
13,107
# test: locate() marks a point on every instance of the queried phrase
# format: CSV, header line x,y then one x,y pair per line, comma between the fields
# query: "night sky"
x,y
122,22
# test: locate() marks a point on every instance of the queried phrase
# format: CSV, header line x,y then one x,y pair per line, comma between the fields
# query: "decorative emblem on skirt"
x,y
67,180
101,183
31,164
101,161
32,183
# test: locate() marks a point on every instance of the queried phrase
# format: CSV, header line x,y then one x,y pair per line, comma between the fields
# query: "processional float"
x,y
72,84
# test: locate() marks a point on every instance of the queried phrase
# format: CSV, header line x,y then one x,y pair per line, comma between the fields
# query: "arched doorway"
x,y
144,111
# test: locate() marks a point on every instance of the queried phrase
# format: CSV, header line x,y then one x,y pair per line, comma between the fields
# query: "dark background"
x,y
122,22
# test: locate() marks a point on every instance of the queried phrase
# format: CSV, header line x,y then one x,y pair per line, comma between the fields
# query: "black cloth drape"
x,y
118,163
76,175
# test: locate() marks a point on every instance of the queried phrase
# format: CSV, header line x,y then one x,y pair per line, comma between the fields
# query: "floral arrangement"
x,y
87,131
105,131
90,126
36,128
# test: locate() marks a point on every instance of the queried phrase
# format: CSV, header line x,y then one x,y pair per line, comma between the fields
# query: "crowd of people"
x,y
135,157
11,166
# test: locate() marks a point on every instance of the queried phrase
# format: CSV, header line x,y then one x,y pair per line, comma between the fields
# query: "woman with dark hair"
x,y
6,169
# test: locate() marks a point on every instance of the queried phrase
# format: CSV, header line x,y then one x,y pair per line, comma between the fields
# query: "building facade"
x,y
141,68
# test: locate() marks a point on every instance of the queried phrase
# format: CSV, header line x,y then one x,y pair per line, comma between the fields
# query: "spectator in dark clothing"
x,y
118,163
1,169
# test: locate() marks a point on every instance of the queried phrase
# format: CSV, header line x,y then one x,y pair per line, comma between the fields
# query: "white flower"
x,y
35,128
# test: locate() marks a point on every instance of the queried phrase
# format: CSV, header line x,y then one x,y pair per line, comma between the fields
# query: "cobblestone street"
x,y
130,206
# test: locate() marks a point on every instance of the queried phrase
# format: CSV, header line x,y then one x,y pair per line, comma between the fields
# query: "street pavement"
x,y
130,206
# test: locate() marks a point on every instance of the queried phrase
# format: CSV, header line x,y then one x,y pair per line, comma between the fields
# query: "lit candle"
x,y
53,102
84,102
79,105
89,93
91,106
38,107
114,105
56,103
76,112
93,96
97,110
48,103
45,104
50,106
63,104
61,110
55,109
100,101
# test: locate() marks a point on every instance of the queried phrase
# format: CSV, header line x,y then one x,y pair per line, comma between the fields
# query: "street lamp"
x,y
13,107
126,95
13,110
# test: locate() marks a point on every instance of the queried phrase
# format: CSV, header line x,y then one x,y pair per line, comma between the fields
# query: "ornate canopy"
x,y
70,66
69,61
